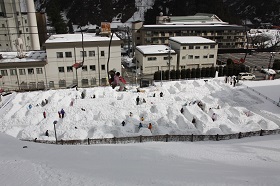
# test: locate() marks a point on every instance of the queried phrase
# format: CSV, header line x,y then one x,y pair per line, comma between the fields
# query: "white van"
x,y
246,76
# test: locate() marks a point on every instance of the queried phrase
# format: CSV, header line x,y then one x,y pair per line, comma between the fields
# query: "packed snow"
x,y
247,161
101,113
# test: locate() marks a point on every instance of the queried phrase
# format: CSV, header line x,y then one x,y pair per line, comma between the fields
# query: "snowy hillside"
x,y
237,109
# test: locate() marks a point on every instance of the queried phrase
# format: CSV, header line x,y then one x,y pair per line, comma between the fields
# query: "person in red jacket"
x,y
44,114
150,127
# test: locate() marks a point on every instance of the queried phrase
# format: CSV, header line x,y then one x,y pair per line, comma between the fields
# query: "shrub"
x,y
183,73
178,74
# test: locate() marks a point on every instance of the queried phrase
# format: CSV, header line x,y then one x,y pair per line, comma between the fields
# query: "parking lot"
x,y
256,61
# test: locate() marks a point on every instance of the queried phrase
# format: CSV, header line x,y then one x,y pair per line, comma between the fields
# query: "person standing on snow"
x,y
150,127
214,117
62,113
123,123
140,125
137,100
112,75
47,133
44,114
118,80
182,110
161,94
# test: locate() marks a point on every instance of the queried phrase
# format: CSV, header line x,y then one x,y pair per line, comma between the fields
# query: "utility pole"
x,y
169,65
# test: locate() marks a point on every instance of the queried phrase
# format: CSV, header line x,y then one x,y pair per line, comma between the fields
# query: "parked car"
x,y
246,76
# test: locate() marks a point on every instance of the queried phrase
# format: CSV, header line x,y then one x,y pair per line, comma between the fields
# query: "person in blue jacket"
x,y
62,113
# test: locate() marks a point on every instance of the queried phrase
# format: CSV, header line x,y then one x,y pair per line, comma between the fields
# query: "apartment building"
x,y
152,58
55,67
18,26
65,50
209,26
28,73
194,52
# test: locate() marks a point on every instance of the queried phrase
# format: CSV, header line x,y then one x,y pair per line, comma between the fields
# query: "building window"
x,y
22,72
51,84
62,83
184,48
3,25
26,29
197,47
152,58
183,57
30,71
84,82
7,44
39,70
196,57
166,58
84,68
83,52
13,72
211,56
206,47
92,67
69,69
205,57
59,55
190,47
60,69
190,57
137,38
4,72
102,67
27,37
68,54
91,53
25,20
212,46
102,53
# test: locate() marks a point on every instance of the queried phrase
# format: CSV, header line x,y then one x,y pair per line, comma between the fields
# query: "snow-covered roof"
x,y
179,25
65,38
191,40
31,56
154,49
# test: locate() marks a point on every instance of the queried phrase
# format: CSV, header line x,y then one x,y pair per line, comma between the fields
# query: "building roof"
x,y
31,56
67,38
191,26
154,49
191,40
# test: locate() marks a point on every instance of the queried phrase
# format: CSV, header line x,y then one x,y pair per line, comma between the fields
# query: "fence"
x,y
160,138
267,98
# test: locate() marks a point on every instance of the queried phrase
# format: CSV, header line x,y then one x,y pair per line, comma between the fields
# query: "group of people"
x,y
150,126
117,80
231,79
61,113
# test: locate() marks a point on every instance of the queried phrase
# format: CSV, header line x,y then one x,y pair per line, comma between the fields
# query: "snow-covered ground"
x,y
247,161
101,117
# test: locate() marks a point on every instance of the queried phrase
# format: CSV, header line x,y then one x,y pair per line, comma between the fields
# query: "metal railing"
x,y
159,138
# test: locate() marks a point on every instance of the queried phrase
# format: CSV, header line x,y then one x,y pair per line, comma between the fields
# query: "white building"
x,y
18,20
64,50
194,52
26,73
53,68
152,58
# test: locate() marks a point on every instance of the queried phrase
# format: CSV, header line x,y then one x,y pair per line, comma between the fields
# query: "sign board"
x,y
105,27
